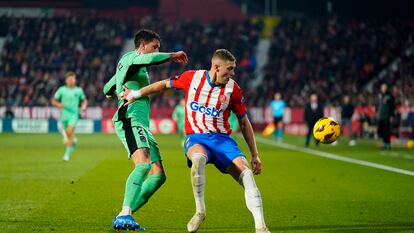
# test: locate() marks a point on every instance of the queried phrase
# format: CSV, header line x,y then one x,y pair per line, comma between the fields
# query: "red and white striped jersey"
x,y
208,106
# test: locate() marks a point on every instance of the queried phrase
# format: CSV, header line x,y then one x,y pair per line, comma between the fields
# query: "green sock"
x,y
134,183
150,185
69,150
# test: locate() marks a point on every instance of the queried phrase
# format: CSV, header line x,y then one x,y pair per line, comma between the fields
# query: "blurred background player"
x,y
313,111
347,111
211,96
234,123
385,114
178,116
68,98
278,105
132,124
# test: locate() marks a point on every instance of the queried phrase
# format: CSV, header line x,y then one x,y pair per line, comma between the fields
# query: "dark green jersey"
x,y
70,98
132,72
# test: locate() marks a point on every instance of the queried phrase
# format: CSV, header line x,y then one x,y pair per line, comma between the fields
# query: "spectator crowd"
x,y
330,58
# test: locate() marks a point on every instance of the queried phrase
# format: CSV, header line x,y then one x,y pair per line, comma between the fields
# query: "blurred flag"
x,y
269,129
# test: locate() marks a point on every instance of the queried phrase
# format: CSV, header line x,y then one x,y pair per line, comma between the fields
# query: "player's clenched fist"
x,y
179,57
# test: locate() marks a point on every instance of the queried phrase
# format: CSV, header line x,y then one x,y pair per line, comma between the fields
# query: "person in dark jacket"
x,y
313,111
9,113
385,114
347,110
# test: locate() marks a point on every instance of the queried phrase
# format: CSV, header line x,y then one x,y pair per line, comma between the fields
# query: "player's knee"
x,y
69,133
141,155
198,160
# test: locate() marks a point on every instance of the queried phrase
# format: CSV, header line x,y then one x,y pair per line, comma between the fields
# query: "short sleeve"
x,y
183,81
82,94
58,94
238,105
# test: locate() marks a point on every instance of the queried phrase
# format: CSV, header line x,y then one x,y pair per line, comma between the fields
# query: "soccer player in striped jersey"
x,y
210,96
132,124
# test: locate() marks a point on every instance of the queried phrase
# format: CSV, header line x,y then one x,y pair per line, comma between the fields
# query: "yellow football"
x,y
410,144
326,130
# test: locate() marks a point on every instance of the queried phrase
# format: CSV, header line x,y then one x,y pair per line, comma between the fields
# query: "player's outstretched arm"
x,y
132,95
148,59
157,58
248,134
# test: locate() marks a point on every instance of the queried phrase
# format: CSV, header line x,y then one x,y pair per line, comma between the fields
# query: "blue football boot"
x,y
126,222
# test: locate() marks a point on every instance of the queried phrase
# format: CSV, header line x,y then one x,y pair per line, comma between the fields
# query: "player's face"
x,y
314,98
151,47
346,99
277,96
384,88
225,71
70,81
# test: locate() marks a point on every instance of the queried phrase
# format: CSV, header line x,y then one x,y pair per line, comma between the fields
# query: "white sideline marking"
x,y
335,157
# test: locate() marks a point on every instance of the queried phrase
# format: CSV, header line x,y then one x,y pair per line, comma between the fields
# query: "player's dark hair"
x,y
70,73
224,54
146,36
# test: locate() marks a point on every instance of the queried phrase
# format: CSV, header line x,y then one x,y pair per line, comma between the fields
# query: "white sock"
x,y
198,180
253,198
126,210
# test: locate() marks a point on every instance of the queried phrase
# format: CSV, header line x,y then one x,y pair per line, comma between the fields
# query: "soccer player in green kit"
x,y
132,124
178,115
234,123
68,98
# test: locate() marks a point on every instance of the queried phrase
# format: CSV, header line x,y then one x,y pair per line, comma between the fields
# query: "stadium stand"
x,y
38,51
332,58
328,57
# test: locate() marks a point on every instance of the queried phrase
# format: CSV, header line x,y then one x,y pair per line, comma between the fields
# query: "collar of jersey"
x,y
209,81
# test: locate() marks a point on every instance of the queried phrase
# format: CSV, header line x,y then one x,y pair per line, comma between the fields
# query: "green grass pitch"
x,y
301,192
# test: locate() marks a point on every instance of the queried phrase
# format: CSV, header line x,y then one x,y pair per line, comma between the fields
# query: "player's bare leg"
x,y
198,156
70,131
241,172
62,131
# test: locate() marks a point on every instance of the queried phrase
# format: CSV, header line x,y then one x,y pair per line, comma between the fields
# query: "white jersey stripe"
x,y
207,120
203,99
192,91
212,103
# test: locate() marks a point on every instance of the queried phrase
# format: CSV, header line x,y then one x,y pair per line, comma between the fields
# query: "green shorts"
x,y
69,121
135,137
